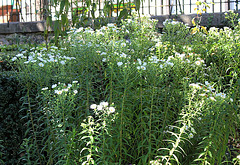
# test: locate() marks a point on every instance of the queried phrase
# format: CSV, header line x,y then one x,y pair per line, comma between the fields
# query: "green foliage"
x,y
12,126
128,95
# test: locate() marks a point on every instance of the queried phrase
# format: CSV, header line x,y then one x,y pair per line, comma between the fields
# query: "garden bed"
x,y
129,95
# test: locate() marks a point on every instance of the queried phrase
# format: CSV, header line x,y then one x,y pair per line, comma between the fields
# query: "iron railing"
x,y
33,10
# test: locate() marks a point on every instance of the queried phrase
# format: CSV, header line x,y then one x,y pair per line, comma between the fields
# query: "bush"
x,y
12,126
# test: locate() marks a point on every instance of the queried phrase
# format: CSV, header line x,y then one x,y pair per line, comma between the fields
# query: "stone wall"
x,y
33,31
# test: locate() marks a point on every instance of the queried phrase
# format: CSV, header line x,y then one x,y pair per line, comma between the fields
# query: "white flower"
x,y
69,85
111,25
119,63
143,67
212,98
123,44
54,85
93,106
170,58
75,82
14,58
19,55
190,136
202,94
199,118
104,104
111,109
65,90
58,92
62,62
231,99
46,88
75,91
169,63
223,95
238,157
41,64
151,49
195,86
103,53
104,60
198,63
123,55
211,88
99,107
139,61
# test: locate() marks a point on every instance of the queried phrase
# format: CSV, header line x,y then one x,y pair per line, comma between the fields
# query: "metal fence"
x,y
32,10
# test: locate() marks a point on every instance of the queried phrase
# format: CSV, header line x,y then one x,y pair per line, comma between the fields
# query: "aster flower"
x,y
190,136
119,63
46,88
104,104
93,106
58,92
111,109
41,64
223,95
54,85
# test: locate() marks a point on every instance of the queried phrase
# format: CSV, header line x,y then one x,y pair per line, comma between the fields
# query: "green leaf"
x,y
62,5
49,21
137,4
123,14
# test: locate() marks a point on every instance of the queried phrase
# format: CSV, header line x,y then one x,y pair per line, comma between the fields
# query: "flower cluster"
x,y
207,90
42,56
103,107
60,88
156,162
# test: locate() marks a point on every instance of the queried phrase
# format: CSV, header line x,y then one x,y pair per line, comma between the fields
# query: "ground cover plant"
x,y
125,94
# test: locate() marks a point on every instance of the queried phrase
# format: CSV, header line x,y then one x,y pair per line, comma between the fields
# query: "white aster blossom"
x,y
104,60
54,85
62,62
212,98
41,64
75,91
123,44
14,58
104,104
111,109
93,106
119,63
58,92
99,107
196,86
19,55
190,136
46,88
103,53
223,95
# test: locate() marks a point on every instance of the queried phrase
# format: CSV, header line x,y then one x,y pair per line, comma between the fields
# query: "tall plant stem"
x,y
150,121
141,108
34,131
121,124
